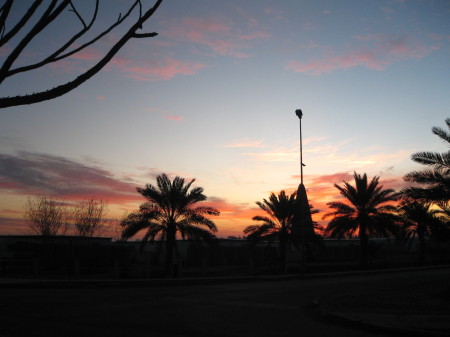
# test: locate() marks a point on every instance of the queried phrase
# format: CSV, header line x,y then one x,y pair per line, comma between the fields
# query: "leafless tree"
x,y
38,16
46,216
88,218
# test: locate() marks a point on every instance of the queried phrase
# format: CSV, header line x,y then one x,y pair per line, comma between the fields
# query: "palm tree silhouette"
x,y
367,212
276,225
437,177
171,209
421,221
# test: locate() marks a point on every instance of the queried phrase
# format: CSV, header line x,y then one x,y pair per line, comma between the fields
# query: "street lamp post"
x,y
299,114
301,218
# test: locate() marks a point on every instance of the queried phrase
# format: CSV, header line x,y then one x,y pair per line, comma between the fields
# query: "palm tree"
x,y
442,232
277,224
171,209
419,220
437,177
367,212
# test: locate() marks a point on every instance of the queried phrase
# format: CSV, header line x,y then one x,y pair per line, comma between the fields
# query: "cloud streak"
x,y
330,154
375,51
218,35
161,69
28,173
13,226
174,118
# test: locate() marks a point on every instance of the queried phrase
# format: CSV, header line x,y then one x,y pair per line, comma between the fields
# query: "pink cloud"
x,y
66,66
255,35
377,53
120,61
80,61
218,34
101,98
87,54
10,211
162,69
159,69
174,118
332,178
13,226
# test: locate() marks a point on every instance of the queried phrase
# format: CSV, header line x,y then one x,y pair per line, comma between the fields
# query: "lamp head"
x,y
299,113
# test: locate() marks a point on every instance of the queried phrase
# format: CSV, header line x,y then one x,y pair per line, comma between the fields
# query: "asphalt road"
x,y
262,308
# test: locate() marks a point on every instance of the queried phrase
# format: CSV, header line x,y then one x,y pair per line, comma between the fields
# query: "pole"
x,y
301,219
299,114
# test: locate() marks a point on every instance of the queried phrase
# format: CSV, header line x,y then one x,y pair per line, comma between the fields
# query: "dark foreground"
x,y
257,308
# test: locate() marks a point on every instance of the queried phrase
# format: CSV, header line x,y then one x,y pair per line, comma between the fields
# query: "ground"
x,y
248,307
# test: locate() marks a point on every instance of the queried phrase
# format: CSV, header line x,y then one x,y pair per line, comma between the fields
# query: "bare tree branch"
x,y
78,14
3,16
5,38
54,57
50,14
138,36
46,216
88,218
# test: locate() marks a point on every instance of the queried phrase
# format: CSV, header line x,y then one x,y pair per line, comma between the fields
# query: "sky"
x,y
213,97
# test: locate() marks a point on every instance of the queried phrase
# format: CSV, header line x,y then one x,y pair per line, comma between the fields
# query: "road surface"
x,y
257,308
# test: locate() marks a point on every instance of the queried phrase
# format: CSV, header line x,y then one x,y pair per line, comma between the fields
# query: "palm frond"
x,y
340,209
205,210
198,220
441,133
258,232
341,227
197,233
132,224
434,159
265,219
435,193
428,177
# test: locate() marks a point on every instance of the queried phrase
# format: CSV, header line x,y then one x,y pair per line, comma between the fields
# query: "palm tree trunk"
x,y
422,257
170,246
282,252
364,244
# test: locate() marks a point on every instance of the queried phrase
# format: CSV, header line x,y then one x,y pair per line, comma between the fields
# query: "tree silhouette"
x,y
46,216
442,232
278,224
88,217
367,212
421,221
35,19
171,209
437,177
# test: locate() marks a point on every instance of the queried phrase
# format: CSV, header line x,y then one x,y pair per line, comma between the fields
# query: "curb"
x,y
94,283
